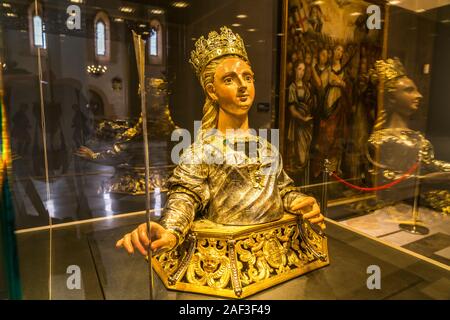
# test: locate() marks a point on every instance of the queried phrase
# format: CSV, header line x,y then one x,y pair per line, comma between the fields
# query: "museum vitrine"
x,y
361,116
116,124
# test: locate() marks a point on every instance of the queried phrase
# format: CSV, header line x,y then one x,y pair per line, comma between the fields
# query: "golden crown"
x,y
215,46
390,69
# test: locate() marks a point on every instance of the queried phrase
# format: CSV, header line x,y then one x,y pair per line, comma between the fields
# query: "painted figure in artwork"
x,y
332,132
300,128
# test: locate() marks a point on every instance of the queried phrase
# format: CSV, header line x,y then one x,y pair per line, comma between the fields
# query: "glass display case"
x,y
105,103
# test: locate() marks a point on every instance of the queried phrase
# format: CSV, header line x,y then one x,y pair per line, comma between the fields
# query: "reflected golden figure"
x,y
224,230
126,154
398,147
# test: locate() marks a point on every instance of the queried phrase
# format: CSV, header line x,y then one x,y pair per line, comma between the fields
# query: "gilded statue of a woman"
x,y
226,185
394,148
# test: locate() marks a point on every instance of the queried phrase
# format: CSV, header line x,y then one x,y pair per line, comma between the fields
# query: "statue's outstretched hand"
x,y
308,207
139,239
85,152
442,177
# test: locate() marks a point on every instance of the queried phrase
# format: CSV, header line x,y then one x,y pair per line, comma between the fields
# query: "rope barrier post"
x,y
324,198
415,226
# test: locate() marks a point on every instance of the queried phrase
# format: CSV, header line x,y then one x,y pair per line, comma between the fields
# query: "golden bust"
x,y
231,189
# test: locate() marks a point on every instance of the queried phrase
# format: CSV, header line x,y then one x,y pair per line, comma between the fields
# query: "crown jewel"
x,y
215,46
389,69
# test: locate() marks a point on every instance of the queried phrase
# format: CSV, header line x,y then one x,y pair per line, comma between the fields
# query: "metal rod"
x,y
140,59
323,204
413,226
416,191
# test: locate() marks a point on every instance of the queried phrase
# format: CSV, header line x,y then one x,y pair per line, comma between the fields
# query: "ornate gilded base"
x,y
238,261
132,180
438,200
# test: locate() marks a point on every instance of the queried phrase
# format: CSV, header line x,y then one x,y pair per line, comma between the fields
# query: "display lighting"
x,y
96,70
157,11
126,9
180,4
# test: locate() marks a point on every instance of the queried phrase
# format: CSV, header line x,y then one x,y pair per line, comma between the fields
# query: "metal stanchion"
x,y
415,226
324,198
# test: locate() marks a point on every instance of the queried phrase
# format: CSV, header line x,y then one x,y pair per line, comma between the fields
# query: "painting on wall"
x,y
326,111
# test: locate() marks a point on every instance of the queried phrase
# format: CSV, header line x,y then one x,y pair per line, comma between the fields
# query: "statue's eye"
x,y
228,80
248,78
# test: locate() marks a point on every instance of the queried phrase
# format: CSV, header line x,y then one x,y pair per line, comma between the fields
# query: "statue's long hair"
x,y
388,88
211,107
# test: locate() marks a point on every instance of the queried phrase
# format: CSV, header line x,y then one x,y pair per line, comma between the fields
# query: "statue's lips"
x,y
243,98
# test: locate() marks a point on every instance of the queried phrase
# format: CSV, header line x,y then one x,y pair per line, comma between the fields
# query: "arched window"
x,y
36,28
100,48
155,42
102,37
38,32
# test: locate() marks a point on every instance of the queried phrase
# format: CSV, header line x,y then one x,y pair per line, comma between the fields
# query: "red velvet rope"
x,y
383,187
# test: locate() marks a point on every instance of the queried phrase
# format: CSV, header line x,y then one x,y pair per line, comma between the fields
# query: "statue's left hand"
x,y
309,209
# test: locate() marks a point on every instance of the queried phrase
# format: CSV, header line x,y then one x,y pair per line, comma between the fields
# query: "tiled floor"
x,y
384,224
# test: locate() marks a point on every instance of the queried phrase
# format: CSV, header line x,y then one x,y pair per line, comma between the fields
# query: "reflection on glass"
x,y
100,38
399,147
154,43
157,196
39,34
108,204
50,206
95,109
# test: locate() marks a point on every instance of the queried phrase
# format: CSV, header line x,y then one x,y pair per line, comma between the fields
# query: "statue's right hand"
x,y
85,152
139,239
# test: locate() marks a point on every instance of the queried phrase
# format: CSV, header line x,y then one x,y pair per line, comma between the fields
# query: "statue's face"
x,y
233,87
406,97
